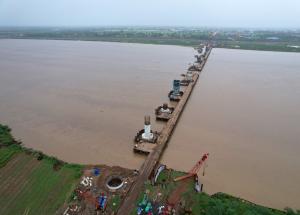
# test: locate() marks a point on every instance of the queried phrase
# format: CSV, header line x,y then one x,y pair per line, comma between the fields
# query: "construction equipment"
x,y
175,196
99,202
145,205
188,77
164,112
145,140
102,200
146,134
194,170
175,94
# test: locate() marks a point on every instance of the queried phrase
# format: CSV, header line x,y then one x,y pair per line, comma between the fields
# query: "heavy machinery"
x,y
164,112
145,206
175,196
102,200
99,202
175,94
195,169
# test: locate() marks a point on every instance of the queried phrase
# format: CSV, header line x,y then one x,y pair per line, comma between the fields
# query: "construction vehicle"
x,y
195,169
175,196
175,94
102,201
164,112
99,202
144,206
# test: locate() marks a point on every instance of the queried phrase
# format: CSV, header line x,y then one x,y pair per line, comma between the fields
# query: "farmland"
x,y
249,39
29,182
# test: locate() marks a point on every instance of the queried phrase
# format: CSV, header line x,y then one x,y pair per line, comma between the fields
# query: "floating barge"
x,y
145,140
195,67
188,77
164,112
175,94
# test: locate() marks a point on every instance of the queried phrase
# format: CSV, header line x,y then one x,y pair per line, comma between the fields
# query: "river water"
x,y
84,101
244,111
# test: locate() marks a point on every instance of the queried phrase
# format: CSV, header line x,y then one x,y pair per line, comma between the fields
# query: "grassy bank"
x,y
32,183
191,202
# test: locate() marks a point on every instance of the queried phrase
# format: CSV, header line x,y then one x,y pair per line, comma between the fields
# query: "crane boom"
x,y
195,169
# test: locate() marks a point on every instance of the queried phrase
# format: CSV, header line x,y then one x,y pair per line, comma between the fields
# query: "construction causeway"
x,y
129,202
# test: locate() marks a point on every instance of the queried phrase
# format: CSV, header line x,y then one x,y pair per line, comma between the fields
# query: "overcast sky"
x,y
203,13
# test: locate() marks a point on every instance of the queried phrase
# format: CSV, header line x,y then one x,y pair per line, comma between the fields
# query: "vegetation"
x,y
30,185
270,40
114,203
7,153
204,204
223,204
5,135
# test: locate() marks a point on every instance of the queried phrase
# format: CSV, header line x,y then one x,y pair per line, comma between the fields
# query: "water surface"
x,y
84,101
244,111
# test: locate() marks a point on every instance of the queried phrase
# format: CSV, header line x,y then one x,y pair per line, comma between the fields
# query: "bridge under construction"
x,y
155,149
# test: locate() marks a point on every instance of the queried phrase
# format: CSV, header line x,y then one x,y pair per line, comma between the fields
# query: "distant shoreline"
x,y
153,43
260,40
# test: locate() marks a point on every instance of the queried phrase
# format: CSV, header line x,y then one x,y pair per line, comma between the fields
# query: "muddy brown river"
x,y
84,101
244,111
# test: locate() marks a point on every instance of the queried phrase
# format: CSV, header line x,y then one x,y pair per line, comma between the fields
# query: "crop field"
x,y
249,39
30,186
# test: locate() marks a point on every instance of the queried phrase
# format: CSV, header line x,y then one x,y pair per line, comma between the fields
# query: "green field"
x,y
32,186
249,39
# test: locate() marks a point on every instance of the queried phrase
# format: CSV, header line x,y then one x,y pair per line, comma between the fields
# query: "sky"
x,y
200,13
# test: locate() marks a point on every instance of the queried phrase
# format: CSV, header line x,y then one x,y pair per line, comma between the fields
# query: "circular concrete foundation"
x,y
114,182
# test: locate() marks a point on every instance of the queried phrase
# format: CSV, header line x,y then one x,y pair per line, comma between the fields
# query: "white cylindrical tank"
x,y
147,135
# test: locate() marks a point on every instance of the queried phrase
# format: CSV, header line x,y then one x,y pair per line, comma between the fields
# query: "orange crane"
x,y
175,195
195,169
